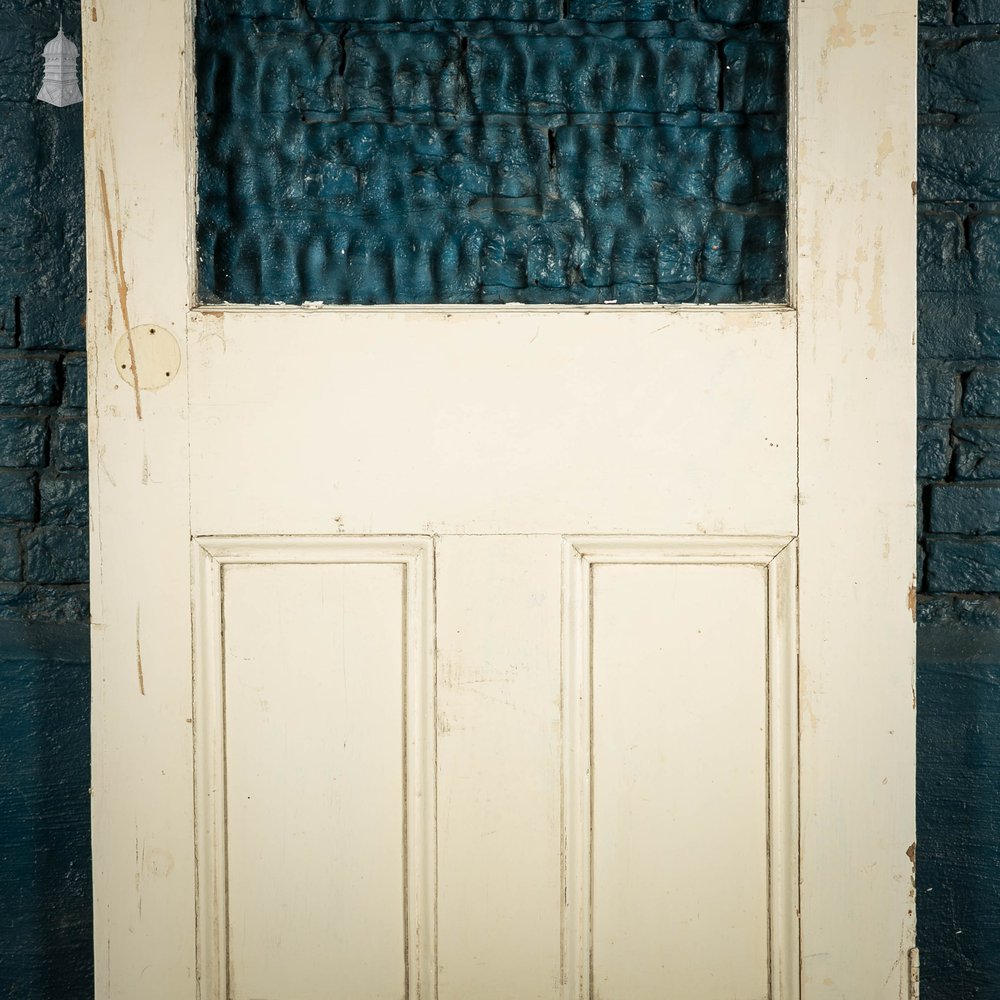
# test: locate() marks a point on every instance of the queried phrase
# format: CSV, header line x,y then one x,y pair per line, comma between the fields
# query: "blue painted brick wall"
x,y
45,884
958,663
43,564
492,151
958,819
959,260
45,908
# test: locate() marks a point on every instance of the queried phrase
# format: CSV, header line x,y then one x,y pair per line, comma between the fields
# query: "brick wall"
x,y
959,298
958,676
45,908
43,396
492,151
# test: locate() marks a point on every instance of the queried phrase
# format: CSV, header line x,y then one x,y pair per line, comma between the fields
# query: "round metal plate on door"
x,y
149,355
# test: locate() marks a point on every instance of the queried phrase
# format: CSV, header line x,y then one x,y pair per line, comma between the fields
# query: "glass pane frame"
x,y
522,299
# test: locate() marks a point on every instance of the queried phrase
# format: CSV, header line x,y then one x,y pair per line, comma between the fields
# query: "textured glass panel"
x,y
489,151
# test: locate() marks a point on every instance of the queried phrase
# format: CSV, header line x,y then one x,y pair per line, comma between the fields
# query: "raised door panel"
x,y
679,778
315,808
680,726
315,744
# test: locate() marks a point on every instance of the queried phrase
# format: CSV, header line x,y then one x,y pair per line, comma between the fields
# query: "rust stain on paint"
x,y
841,35
115,249
885,147
911,600
911,853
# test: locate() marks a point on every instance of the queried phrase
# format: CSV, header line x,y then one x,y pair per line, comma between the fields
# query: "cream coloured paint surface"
x,y
314,722
315,795
519,538
541,421
679,752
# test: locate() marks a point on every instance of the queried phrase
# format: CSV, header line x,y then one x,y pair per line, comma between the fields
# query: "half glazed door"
x,y
504,652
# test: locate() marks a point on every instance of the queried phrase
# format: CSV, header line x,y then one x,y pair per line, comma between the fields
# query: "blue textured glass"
x,y
490,151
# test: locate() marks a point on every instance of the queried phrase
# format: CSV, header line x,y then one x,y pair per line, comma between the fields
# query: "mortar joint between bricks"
x,y
58,389
17,320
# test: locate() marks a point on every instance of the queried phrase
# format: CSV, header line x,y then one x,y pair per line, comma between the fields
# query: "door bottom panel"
x,y
496,767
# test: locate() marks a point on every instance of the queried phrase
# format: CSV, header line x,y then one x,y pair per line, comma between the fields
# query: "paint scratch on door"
x,y
138,654
116,251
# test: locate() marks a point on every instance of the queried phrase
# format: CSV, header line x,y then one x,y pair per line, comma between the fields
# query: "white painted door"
x,y
495,654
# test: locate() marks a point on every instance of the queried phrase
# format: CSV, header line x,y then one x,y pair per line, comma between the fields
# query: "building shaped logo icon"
x,y
59,85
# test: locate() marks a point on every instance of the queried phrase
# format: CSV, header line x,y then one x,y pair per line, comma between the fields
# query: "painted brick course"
x,y
70,439
23,442
500,151
56,555
962,564
10,554
42,365
45,886
958,805
63,499
27,380
18,496
977,12
964,509
976,450
933,449
938,390
959,294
